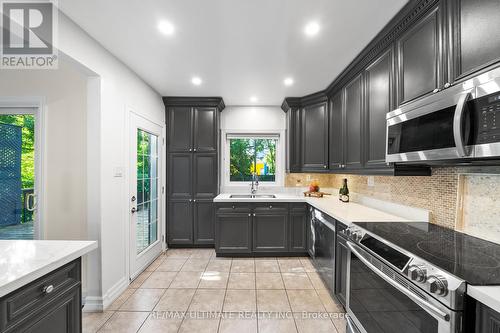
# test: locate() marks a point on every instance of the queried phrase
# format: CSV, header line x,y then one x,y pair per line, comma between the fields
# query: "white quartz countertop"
x,y
488,295
344,212
23,261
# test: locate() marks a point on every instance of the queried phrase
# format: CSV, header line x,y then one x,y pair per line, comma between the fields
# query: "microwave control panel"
x,y
487,110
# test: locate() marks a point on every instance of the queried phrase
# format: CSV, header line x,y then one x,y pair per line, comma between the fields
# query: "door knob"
x,y
133,198
134,210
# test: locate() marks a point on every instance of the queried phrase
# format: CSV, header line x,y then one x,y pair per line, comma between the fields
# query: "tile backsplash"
x,y
437,193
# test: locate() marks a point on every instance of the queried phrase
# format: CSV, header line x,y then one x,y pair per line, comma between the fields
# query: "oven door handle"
x,y
427,306
457,124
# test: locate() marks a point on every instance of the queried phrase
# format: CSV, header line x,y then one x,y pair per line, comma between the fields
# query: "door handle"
x,y
457,124
31,197
133,210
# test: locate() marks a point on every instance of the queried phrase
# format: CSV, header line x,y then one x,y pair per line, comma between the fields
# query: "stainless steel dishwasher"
x,y
324,247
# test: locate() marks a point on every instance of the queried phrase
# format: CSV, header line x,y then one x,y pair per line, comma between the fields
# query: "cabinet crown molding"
x,y
217,102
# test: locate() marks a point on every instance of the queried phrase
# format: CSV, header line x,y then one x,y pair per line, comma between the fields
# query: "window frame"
x,y
226,151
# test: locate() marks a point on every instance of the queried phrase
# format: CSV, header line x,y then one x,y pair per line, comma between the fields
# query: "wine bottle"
x,y
344,192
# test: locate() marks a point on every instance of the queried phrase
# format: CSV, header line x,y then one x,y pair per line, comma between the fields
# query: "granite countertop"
x,y
24,261
344,212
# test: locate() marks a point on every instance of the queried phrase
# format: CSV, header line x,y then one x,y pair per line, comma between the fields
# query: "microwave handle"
x,y
457,123
427,306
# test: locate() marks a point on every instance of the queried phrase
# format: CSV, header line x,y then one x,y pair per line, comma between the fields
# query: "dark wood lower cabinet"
x,y
341,269
180,222
259,229
270,232
233,233
31,309
204,221
298,232
487,319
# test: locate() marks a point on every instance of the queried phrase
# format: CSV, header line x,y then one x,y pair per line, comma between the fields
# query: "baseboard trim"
x,y
93,304
114,292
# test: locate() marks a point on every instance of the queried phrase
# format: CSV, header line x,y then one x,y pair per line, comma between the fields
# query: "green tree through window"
x,y
252,155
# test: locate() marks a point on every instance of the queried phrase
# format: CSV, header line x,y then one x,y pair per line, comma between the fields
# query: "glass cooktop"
x,y
472,259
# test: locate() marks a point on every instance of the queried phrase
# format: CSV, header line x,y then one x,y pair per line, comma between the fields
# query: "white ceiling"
x,y
239,48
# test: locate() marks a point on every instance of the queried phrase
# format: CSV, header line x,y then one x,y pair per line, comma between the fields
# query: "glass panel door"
x,y
145,194
147,190
17,174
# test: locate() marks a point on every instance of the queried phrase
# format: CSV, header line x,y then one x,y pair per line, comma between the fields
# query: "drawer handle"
x,y
270,207
48,289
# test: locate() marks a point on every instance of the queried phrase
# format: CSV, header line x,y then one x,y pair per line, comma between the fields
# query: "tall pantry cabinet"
x,y
192,169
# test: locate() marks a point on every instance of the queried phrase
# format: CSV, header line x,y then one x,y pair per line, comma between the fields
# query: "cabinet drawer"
x,y
233,208
271,208
29,299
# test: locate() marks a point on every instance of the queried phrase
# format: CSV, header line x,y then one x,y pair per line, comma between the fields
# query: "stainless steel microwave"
x,y
458,123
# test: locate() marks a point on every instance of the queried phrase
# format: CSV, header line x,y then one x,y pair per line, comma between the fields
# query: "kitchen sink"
x,y
252,196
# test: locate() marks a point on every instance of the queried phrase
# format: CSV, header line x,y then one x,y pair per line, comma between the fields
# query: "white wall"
x,y
65,171
113,91
253,118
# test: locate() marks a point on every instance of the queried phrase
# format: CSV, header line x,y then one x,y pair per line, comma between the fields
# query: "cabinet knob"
x,y
190,149
436,90
253,214
324,166
270,207
233,206
194,200
340,165
190,200
194,149
249,214
48,289
447,85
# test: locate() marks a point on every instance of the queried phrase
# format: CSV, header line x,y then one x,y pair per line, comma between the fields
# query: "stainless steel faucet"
x,y
255,183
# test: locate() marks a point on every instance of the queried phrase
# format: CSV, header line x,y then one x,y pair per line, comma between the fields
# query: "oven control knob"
x,y
417,273
438,285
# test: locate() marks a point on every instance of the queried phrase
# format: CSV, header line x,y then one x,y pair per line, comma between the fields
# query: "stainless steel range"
x,y
412,277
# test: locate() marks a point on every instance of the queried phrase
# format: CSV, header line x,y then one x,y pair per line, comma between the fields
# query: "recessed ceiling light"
x,y
311,29
196,81
288,81
166,27
253,99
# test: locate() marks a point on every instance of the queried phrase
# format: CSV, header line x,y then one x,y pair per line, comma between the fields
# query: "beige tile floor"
x,y
190,290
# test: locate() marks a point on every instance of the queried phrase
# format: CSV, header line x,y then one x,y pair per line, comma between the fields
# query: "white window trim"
x,y
280,157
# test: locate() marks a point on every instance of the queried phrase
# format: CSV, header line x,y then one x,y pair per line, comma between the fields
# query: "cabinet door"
x,y
205,129
298,232
478,38
353,114
180,129
341,270
204,221
336,143
180,178
294,142
233,233
310,232
205,182
420,58
270,232
314,146
180,222
487,319
378,78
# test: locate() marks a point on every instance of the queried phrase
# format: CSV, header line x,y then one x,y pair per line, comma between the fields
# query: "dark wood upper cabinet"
x,y
293,140
205,129
336,135
378,80
180,129
353,97
476,26
420,57
314,136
